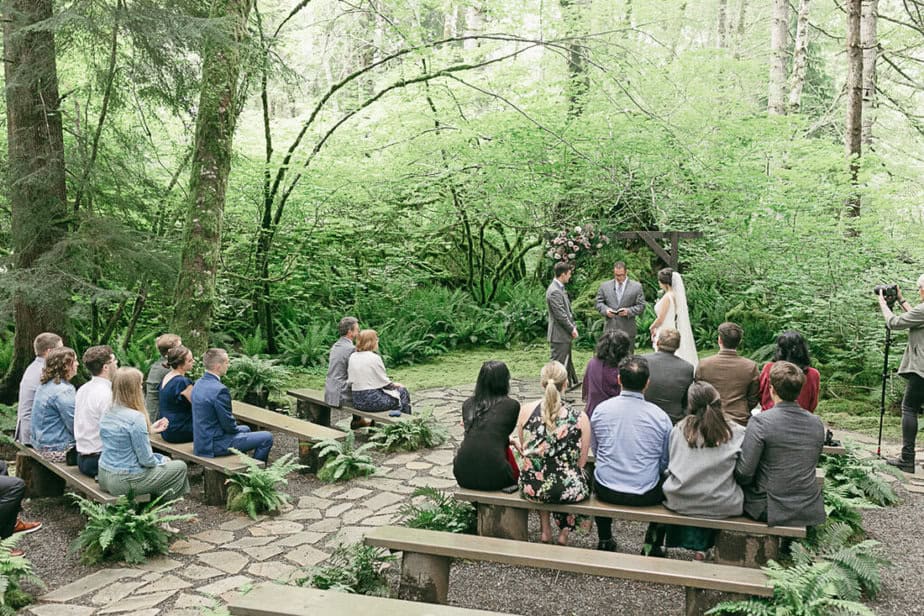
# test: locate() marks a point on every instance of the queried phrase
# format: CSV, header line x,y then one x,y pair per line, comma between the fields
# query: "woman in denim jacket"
x,y
53,407
127,463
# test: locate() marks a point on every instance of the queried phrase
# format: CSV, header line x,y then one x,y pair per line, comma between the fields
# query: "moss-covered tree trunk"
x,y
37,190
211,163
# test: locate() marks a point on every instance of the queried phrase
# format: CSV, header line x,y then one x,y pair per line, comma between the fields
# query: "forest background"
x,y
247,172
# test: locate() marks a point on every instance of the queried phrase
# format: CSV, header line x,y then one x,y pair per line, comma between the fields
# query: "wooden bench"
x,y
427,556
740,541
310,405
215,470
271,599
307,433
46,478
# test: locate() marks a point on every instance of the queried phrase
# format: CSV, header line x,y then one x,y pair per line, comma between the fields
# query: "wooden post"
x,y
313,412
502,522
214,486
700,601
308,455
743,550
40,481
424,578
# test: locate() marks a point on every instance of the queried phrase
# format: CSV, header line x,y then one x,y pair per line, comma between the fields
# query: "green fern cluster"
x,y
860,477
440,512
14,570
343,460
421,430
355,568
256,490
124,531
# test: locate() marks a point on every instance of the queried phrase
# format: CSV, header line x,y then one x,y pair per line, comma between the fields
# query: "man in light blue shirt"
x,y
630,438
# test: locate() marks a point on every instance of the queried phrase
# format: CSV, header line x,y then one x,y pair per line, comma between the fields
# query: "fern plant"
x,y
304,347
256,490
254,379
860,477
343,460
355,568
440,512
14,570
858,563
421,430
124,531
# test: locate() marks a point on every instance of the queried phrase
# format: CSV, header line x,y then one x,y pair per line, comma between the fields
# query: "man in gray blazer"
x,y
620,301
562,329
669,376
779,455
337,386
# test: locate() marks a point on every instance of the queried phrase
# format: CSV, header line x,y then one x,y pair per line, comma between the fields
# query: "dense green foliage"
x,y
356,568
439,511
343,460
256,490
14,570
420,430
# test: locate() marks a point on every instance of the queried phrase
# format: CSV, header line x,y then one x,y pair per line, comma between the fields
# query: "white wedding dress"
x,y
678,317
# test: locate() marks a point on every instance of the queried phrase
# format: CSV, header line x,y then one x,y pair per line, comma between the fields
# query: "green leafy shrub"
x,y
860,477
257,490
421,430
440,512
8,417
140,353
343,460
304,347
124,531
13,571
254,344
254,379
355,568
858,563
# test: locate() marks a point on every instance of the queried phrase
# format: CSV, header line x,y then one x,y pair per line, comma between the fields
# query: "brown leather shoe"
x,y
26,527
17,552
359,422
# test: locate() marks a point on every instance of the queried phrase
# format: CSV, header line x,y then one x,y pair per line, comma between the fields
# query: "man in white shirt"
x,y
31,379
93,399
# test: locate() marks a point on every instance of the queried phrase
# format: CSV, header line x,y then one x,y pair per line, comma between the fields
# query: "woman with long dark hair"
x,y
601,375
484,460
791,347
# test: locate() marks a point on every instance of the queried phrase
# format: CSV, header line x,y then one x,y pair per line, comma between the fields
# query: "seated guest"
x,y
791,347
12,490
484,460
53,408
31,379
630,438
736,378
371,387
337,384
779,455
555,441
156,373
669,376
601,376
700,477
214,429
93,399
128,465
174,396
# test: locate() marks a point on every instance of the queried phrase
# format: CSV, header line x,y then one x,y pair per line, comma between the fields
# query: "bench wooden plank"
x,y
71,476
271,599
311,405
229,465
304,430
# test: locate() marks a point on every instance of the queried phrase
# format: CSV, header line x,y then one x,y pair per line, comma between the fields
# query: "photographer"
x,y
912,368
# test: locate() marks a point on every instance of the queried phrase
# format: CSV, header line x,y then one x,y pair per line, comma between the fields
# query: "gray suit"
x,y
337,386
633,299
561,324
670,378
777,467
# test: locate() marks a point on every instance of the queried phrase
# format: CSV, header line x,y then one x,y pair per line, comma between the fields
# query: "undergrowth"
x,y
356,568
440,511
343,460
419,431
14,570
256,490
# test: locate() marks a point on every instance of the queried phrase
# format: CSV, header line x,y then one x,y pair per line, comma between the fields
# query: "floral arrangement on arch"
x,y
570,244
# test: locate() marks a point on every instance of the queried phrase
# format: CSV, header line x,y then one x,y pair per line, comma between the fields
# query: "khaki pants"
x,y
168,479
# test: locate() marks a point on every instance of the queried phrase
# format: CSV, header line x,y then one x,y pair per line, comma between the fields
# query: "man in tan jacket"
x,y
736,378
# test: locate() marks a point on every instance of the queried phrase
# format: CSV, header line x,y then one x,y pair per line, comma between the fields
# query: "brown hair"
x,y
666,276
176,356
126,391
561,267
58,363
165,342
96,357
213,357
706,425
787,380
45,342
730,333
552,378
668,339
366,340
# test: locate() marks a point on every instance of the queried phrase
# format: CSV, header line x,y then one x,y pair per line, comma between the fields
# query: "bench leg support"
x,y
40,481
502,522
216,491
308,455
745,550
424,578
700,601
315,413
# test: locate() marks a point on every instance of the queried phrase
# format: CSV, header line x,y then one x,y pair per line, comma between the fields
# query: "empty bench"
x,y
46,478
214,470
270,599
427,555
740,540
310,405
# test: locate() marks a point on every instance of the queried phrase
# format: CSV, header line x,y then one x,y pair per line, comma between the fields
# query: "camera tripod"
x,y
882,399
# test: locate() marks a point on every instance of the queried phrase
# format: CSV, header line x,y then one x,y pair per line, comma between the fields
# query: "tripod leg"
x,y
882,399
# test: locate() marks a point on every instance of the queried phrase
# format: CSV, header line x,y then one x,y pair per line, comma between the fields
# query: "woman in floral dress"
x,y
555,442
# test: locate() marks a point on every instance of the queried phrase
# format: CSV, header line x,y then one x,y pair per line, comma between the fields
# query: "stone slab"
x,y
336,510
218,537
306,556
60,609
226,560
433,482
90,583
355,515
297,539
328,491
249,542
300,515
187,600
354,494
224,585
276,527
313,502
138,603
160,564
115,591
382,499
273,570
264,552
327,525
237,524
198,572
190,547
166,582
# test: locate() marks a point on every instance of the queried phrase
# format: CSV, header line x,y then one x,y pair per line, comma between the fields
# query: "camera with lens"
x,y
889,293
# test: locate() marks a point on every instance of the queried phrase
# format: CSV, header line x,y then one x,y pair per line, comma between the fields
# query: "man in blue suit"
x,y
214,428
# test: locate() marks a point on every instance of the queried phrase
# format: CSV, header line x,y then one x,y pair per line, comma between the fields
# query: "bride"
x,y
671,311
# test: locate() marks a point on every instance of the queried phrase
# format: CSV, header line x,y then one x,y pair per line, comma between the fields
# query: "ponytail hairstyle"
x,y
705,426
493,384
552,379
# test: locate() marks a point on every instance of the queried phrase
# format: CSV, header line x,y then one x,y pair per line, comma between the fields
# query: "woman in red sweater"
x,y
791,347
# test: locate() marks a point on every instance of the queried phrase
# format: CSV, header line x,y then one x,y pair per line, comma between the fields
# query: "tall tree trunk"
x,y
779,35
800,50
578,80
870,42
211,163
739,29
723,24
853,128
37,190
474,24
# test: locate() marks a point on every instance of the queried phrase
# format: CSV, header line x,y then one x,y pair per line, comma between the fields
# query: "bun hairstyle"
x,y
706,425
552,379
666,275
176,357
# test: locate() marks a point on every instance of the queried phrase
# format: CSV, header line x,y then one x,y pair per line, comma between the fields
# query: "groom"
x,y
621,300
